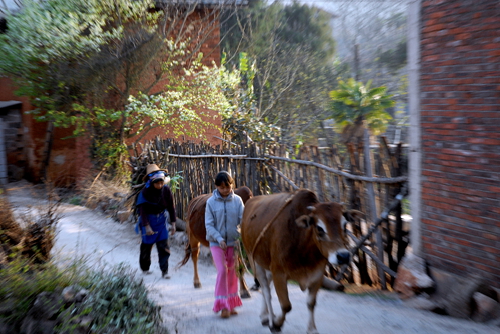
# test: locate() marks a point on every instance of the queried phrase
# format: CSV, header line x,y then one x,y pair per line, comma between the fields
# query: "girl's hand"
x,y
222,245
149,230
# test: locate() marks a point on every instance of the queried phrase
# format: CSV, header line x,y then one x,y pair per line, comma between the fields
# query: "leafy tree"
x,y
240,122
355,105
394,59
293,49
113,69
371,39
181,108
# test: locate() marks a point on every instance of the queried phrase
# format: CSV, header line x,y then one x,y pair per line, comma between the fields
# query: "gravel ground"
x,y
186,310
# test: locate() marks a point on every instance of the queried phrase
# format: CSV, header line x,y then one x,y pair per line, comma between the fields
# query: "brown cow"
x,y
292,237
197,233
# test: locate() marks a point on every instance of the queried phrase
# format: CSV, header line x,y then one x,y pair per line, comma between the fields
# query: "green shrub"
x,y
21,281
76,200
118,303
405,203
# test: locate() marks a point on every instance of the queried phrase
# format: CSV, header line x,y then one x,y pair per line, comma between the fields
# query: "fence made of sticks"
x,y
365,181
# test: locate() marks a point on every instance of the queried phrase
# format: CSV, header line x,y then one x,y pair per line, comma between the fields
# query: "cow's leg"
x,y
311,303
280,284
195,252
244,292
266,314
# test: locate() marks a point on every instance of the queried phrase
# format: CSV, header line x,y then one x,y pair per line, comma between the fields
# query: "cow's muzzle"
x,y
342,256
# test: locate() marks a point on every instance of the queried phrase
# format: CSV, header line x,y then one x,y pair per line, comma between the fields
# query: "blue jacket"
x,y
155,214
223,217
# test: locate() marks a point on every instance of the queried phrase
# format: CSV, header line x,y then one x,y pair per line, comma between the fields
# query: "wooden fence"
x,y
334,176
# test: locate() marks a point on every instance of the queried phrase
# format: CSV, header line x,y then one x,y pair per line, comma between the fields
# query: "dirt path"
x,y
83,232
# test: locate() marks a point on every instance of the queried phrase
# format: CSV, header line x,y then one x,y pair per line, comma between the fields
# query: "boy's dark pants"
x,y
163,255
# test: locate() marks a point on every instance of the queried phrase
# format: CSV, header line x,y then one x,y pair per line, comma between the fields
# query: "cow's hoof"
x,y
275,329
197,285
245,294
255,287
265,322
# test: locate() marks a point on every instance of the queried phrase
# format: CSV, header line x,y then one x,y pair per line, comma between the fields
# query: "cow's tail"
x,y
187,255
242,259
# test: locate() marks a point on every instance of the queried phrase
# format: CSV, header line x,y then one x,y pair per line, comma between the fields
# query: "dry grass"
x,y
106,196
33,235
11,232
371,291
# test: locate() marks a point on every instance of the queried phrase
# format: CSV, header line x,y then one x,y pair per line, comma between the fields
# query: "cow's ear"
x,y
302,221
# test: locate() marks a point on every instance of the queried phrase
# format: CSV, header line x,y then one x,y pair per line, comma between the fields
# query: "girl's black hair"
x,y
223,177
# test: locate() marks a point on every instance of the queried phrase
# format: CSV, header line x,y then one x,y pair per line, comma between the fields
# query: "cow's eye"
x,y
320,230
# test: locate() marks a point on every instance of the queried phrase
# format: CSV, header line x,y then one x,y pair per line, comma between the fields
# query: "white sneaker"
x,y
165,275
147,272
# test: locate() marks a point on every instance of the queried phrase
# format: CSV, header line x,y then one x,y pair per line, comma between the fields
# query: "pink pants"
x,y
226,286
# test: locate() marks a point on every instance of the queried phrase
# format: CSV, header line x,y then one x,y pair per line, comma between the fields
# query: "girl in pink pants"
x,y
226,286
223,214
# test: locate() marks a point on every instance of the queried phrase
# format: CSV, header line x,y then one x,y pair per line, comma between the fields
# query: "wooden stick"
x,y
398,179
373,209
215,156
227,141
97,177
373,256
284,177
382,218
339,172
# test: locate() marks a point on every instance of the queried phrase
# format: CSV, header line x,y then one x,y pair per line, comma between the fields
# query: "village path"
x,y
185,310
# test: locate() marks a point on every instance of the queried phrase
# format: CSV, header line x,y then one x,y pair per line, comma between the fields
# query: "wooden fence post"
x,y
373,209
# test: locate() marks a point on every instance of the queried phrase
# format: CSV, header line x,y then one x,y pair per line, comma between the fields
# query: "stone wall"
x,y
13,143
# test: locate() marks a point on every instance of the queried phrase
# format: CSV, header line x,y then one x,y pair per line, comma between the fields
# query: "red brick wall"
x,y
211,54
460,119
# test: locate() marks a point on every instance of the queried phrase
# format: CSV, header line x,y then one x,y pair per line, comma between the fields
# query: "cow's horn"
x,y
356,212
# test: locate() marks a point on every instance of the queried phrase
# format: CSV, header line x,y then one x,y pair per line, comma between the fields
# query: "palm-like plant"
x,y
355,105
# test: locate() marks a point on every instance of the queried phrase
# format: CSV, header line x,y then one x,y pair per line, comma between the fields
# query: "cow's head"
x,y
328,222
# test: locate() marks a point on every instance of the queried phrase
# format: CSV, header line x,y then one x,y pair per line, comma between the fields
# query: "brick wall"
x,y
460,124
210,47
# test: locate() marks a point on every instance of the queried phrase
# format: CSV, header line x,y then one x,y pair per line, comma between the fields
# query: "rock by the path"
x,y
454,293
412,277
485,308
